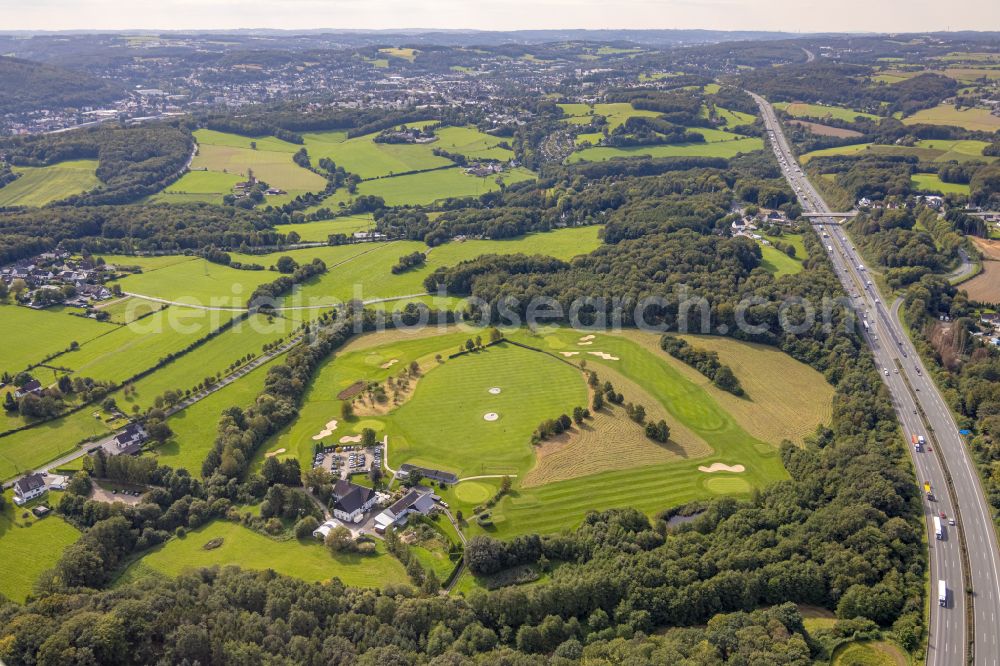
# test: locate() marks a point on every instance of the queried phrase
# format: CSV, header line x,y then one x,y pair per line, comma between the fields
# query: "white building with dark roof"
x,y
398,514
28,488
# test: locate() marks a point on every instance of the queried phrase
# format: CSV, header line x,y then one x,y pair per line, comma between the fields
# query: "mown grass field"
x,y
778,263
29,545
38,186
616,113
771,411
443,423
821,111
372,270
472,143
930,150
946,114
204,182
195,428
31,335
930,182
23,451
214,356
361,155
308,559
560,505
733,118
199,282
396,52
870,653
321,230
128,350
729,148
427,187
440,424
127,309
224,159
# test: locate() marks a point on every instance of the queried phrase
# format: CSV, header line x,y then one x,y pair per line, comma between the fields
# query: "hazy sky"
x,y
789,15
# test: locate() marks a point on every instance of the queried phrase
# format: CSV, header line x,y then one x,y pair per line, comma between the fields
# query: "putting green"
x,y
473,492
369,423
727,486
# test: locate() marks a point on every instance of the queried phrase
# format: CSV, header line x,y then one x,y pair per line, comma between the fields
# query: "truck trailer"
x,y
938,534
942,594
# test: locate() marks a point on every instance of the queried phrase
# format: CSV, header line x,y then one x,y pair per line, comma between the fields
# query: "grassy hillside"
x,y
38,186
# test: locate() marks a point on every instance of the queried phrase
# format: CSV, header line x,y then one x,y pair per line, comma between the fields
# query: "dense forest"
x,y
838,83
24,233
133,162
29,86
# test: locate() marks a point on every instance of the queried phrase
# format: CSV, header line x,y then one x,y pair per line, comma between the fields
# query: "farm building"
x,y
28,488
324,529
433,474
397,514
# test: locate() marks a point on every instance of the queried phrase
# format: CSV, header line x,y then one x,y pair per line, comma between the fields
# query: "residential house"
x,y
28,488
130,440
991,319
397,514
34,386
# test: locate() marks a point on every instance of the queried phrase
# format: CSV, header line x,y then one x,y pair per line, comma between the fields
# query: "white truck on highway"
x,y
942,593
938,533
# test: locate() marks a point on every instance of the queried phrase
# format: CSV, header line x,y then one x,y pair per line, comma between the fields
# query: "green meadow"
x,y
441,425
372,270
929,150
31,335
821,111
127,350
29,546
930,182
38,186
729,148
308,559
472,143
224,159
209,186
214,356
946,114
321,230
361,155
616,113
779,263
427,187
556,506
195,428
26,450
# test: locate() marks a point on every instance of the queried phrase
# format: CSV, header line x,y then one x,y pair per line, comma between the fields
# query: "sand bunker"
x,y
350,439
606,356
389,364
584,344
568,354
720,467
587,337
495,390
491,416
327,431
271,454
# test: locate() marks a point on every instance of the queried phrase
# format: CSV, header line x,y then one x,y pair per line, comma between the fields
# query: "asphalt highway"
x,y
922,411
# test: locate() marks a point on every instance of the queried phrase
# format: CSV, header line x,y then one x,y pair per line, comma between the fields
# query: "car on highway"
x,y
886,371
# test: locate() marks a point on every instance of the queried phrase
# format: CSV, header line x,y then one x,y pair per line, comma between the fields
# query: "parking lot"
x,y
349,460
